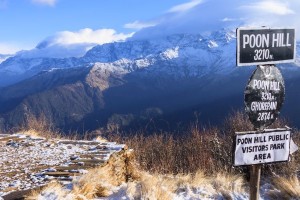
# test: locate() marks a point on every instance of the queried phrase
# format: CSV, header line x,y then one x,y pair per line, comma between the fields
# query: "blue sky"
x,y
26,23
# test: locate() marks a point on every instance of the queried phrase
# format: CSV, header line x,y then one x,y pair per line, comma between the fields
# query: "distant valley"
x,y
159,84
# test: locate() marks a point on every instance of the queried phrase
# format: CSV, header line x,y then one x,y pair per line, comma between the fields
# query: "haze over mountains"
x,y
158,78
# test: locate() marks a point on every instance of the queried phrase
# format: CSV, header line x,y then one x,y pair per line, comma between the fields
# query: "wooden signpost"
x,y
264,97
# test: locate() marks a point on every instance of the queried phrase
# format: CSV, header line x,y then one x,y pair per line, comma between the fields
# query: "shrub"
x,y
198,148
39,127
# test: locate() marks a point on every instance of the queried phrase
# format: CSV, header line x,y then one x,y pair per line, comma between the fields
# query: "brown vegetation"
x,y
164,164
199,148
39,127
285,188
98,182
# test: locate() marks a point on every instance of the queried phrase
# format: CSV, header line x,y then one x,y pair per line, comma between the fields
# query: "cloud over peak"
x,y
204,16
6,48
88,35
185,6
139,25
74,44
271,7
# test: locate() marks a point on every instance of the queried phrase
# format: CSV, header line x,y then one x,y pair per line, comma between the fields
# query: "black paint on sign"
x,y
265,46
264,95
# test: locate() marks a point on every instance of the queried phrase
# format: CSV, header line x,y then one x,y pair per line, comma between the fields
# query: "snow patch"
x,y
170,53
4,57
212,44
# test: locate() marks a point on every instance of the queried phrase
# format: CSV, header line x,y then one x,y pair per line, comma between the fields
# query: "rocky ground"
x,y
28,162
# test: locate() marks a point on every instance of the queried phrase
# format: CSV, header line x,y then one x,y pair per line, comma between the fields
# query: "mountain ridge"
x,y
121,83
20,67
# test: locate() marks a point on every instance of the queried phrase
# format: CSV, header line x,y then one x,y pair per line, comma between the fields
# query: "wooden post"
x,y
255,171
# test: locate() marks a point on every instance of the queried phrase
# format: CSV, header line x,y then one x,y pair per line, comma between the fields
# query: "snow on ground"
x,y
27,162
189,193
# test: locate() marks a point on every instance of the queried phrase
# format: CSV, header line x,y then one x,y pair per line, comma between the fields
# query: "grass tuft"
x,y
52,191
285,188
39,127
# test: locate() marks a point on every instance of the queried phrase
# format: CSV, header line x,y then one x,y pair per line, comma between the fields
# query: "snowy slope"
x,y
178,55
3,57
184,52
178,49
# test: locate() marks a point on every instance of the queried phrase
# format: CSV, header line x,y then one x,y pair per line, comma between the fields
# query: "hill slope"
x,y
129,84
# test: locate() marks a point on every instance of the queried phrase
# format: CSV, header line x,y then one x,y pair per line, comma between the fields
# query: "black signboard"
x,y
264,95
265,46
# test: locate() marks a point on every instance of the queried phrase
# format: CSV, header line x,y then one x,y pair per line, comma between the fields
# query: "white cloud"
x,y
74,44
57,51
275,13
88,35
272,7
206,16
6,48
185,6
45,2
139,25
194,17
226,19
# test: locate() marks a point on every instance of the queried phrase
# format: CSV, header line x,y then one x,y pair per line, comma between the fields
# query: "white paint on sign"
x,y
261,106
259,148
265,40
266,85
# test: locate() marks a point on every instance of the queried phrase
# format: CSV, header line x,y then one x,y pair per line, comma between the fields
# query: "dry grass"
x,y
153,187
133,190
42,127
52,191
99,182
237,121
100,139
90,186
158,186
89,190
202,149
199,178
198,148
285,188
39,127
166,154
225,183
200,158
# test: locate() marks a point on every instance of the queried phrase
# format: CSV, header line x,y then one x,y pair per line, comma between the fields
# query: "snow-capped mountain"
x,y
126,83
179,55
193,50
3,57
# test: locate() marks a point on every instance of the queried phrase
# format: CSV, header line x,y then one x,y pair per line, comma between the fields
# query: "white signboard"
x,y
258,148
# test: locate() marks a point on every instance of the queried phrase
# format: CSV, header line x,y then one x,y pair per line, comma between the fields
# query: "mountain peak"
x,y
186,51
